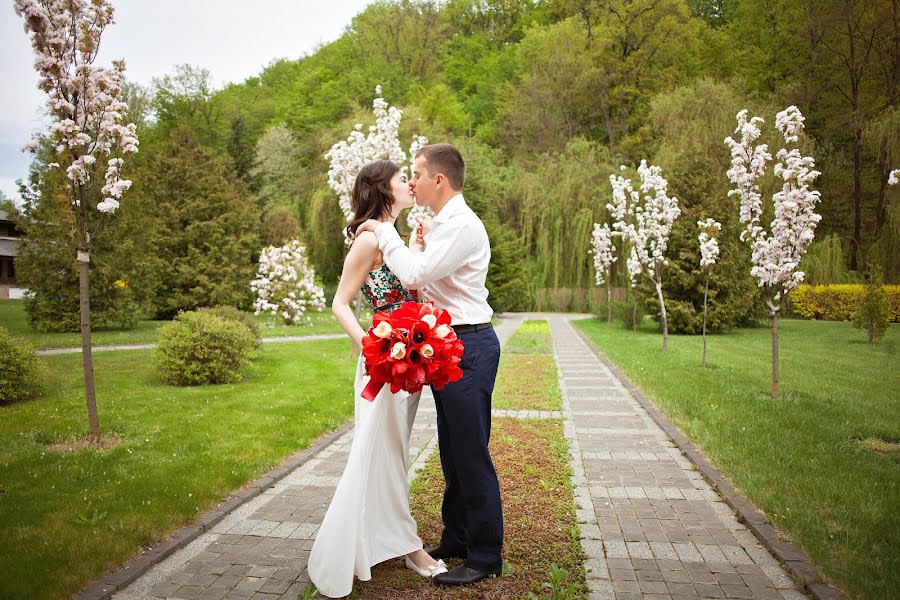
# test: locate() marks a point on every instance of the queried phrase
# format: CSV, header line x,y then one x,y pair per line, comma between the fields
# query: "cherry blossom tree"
x,y
651,213
347,157
604,256
285,284
621,211
90,139
709,253
776,254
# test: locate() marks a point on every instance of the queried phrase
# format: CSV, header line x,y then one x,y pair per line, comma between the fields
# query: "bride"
x,y
369,520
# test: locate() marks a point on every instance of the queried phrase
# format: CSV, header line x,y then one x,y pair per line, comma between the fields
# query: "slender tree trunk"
x,y
855,242
608,299
662,309
705,296
775,388
87,360
633,314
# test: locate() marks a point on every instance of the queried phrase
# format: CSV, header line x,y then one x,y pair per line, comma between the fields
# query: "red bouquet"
x,y
411,347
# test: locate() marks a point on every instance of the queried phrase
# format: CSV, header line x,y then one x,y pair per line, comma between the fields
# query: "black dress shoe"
x,y
463,575
442,552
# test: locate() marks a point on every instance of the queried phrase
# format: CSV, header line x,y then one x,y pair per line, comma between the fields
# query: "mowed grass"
x,y
13,318
807,459
540,529
527,379
66,518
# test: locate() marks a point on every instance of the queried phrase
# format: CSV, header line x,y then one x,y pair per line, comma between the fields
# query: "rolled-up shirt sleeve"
x,y
449,246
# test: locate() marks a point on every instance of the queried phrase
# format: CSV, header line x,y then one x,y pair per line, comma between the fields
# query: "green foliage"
x,y
19,369
825,262
120,282
199,348
557,586
206,227
230,313
872,314
279,227
629,314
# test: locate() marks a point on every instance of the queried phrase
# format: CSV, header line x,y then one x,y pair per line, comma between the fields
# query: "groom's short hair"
x,y
446,159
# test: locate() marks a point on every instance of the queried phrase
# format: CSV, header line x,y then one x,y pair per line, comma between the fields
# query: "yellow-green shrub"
x,y
839,302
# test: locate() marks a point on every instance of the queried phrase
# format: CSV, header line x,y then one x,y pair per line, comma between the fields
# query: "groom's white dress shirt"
x,y
452,269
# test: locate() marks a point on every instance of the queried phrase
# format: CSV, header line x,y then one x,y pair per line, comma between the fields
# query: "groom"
x,y
451,272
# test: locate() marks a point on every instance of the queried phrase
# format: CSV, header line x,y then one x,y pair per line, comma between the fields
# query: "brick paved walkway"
x,y
651,527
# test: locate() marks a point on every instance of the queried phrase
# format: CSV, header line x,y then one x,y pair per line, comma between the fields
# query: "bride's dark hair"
x,y
371,197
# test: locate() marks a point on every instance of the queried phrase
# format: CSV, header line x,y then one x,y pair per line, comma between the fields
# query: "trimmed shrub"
x,y
198,348
230,313
19,369
872,314
840,302
626,313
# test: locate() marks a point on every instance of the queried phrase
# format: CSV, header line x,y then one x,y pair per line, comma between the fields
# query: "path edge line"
x,y
121,578
795,560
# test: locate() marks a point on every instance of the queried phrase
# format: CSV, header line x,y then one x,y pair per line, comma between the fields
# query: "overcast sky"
x,y
234,39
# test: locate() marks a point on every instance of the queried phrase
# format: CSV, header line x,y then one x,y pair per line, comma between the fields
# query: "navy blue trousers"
x,y
473,517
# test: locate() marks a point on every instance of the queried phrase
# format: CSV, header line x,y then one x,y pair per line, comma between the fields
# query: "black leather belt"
x,y
470,328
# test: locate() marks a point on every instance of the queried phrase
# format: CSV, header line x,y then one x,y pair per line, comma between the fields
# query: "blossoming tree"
x,y
604,256
285,284
348,157
89,136
776,254
709,253
652,212
621,211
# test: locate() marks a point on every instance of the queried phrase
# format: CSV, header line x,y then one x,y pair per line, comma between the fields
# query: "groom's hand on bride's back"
x,y
369,225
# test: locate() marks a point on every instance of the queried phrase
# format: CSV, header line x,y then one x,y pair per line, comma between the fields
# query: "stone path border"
x,y
148,346
793,558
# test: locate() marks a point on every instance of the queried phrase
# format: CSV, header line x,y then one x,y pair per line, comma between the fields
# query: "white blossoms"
x,y
776,255
646,225
382,142
285,284
603,250
709,242
894,177
84,100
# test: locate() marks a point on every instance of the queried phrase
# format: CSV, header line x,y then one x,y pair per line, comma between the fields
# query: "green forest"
x,y
545,98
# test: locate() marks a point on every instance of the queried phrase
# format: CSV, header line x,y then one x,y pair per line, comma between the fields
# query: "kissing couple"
x,y
446,263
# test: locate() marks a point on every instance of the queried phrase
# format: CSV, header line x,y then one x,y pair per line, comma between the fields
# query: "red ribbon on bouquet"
x,y
409,348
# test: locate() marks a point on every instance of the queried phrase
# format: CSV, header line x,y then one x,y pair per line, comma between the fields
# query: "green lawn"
x,y
12,317
799,458
65,518
527,379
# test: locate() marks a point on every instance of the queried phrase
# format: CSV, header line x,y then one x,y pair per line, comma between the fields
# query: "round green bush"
x,y
230,313
19,369
201,347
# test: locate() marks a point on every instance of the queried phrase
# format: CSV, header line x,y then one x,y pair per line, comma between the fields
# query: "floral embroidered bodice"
x,y
382,289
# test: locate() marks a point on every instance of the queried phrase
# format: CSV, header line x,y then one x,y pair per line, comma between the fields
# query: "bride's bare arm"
x,y
359,261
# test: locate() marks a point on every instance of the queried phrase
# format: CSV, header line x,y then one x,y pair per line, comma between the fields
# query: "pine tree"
x,y
208,226
872,314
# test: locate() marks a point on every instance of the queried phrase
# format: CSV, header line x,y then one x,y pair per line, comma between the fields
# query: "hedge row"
x,y
839,302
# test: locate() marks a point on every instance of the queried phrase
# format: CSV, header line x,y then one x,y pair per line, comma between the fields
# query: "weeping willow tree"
x,y
559,209
825,262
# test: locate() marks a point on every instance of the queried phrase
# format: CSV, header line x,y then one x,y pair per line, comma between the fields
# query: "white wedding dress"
x,y
369,521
